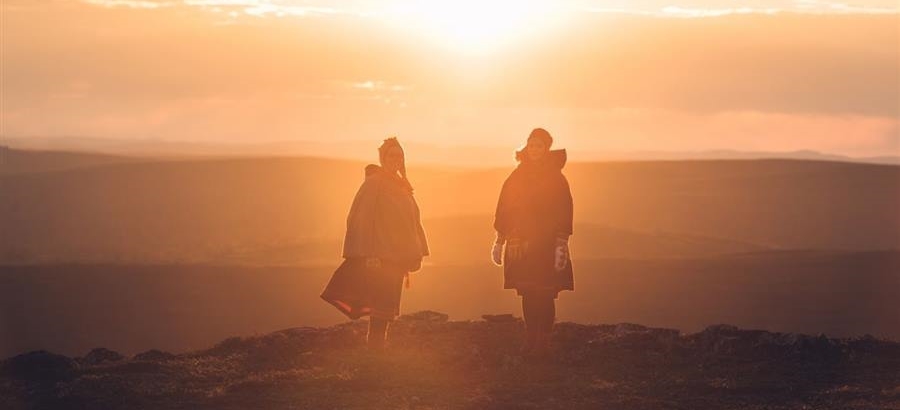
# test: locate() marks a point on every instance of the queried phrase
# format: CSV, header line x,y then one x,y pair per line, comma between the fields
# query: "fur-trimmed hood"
x,y
377,171
556,157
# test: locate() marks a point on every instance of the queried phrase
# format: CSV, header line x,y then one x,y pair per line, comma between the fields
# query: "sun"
x,y
475,26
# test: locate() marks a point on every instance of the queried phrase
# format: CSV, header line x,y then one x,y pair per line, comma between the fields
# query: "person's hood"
x,y
372,169
377,171
557,157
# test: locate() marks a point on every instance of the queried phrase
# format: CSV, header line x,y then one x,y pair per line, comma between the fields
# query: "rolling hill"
x,y
73,307
13,161
215,210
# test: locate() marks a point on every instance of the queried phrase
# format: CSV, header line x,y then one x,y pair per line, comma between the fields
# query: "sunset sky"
x,y
602,75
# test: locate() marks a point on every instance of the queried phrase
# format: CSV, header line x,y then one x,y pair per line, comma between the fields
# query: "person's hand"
x,y
497,254
373,262
562,254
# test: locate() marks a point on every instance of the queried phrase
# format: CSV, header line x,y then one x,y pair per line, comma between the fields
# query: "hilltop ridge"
x,y
434,363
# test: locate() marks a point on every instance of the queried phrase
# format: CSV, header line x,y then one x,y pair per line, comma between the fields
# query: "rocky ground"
x,y
434,363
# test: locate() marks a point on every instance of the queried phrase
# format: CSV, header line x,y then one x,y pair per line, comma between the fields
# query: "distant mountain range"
x,y
422,153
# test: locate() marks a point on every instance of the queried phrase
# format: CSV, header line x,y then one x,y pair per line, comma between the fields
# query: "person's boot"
x,y
529,342
542,349
377,334
538,349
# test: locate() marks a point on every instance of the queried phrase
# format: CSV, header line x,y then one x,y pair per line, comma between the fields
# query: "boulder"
x,y
154,356
40,367
101,355
503,318
426,316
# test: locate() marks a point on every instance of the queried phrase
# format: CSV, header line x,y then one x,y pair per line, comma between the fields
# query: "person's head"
x,y
538,145
391,156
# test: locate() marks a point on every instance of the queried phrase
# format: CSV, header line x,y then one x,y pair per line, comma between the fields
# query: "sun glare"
x,y
475,26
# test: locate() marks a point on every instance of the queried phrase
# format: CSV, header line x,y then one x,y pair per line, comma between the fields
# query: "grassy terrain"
x,y
130,308
271,210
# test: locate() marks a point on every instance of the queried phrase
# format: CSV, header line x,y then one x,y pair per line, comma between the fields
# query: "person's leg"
x,y
550,314
545,316
384,288
532,325
377,333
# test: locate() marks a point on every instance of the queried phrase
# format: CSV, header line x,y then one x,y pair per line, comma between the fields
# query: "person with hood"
x,y
383,243
533,221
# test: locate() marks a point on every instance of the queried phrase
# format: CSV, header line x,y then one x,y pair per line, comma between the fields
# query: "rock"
x,y
724,340
304,331
229,346
504,318
40,367
632,337
626,328
154,356
727,330
427,316
477,364
101,355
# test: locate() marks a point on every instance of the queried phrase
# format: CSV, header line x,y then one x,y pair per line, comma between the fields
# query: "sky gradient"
x,y
600,75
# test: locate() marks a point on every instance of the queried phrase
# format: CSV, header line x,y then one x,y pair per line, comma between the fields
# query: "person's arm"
x,y
416,263
564,224
361,238
564,214
503,223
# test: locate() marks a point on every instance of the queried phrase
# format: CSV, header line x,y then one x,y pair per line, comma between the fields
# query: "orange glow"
x,y
455,74
475,26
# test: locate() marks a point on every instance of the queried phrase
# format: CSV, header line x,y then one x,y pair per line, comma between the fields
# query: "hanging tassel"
x,y
407,280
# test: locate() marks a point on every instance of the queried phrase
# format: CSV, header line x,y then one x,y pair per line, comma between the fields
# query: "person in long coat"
x,y
383,243
533,221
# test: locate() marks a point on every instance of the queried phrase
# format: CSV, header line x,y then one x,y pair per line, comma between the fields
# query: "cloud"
x,y
835,65
818,6
697,12
257,8
134,4
380,86
666,8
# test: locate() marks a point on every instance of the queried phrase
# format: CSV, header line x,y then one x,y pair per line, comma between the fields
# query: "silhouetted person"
x,y
534,222
384,242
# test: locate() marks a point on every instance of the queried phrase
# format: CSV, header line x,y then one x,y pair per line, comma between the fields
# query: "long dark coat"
x,y
535,207
384,222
